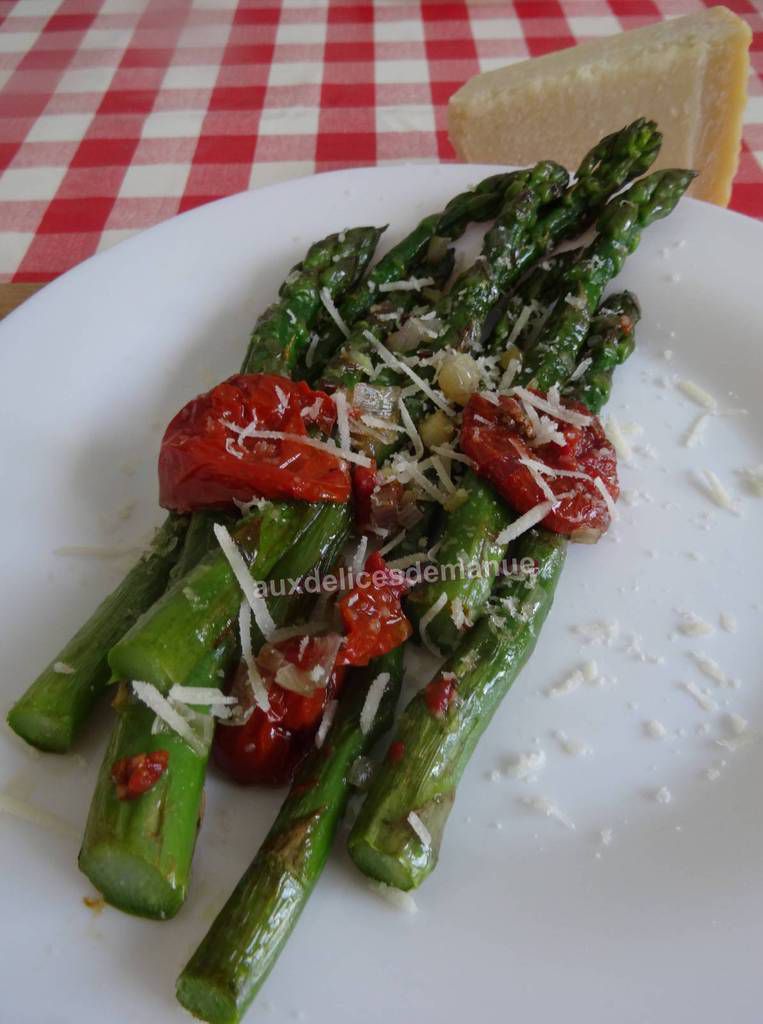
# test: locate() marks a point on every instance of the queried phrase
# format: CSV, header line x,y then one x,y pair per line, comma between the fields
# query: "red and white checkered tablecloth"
x,y
115,114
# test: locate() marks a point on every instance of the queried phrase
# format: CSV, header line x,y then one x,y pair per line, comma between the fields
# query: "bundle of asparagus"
x,y
523,313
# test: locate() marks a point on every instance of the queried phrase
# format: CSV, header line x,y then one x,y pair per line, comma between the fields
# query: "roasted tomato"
x,y
381,506
372,614
208,460
270,744
134,776
503,443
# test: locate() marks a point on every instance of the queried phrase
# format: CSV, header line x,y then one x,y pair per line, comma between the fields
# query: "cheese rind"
x,y
688,74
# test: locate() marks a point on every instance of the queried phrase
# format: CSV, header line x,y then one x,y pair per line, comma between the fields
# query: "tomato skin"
x,y
134,776
269,746
496,438
439,694
363,485
202,465
373,615
396,752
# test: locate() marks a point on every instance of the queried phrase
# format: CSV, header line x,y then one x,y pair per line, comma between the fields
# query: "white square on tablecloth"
x,y
301,32
497,28
85,80
13,247
191,76
106,39
405,118
173,124
22,183
146,181
289,121
401,30
113,236
280,170
295,72
17,42
601,25
753,112
491,63
59,128
399,72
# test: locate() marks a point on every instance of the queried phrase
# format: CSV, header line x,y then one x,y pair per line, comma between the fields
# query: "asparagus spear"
x,y
55,707
138,853
237,954
485,665
470,532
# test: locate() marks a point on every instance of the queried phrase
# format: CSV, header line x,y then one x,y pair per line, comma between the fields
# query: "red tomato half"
x,y
268,747
205,464
498,437
373,615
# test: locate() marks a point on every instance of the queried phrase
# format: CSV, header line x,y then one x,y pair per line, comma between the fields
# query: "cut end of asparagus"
x,y
206,999
390,869
47,732
129,882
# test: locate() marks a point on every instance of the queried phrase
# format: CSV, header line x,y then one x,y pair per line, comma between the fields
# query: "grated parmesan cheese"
x,y
259,690
697,394
599,633
326,722
420,829
714,489
342,420
310,442
580,369
372,702
655,730
521,766
663,795
426,618
333,312
413,284
571,746
692,625
753,480
710,668
568,685
545,806
696,431
199,695
398,365
552,405
410,428
62,669
245,581
158,703
615,434
526,522
704,700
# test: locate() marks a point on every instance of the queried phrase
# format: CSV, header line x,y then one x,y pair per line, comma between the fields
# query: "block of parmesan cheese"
x,y
688,74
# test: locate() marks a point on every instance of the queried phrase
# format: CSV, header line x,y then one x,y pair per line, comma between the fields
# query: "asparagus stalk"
x,y
485,665
54,708
227,970
470,532
138,853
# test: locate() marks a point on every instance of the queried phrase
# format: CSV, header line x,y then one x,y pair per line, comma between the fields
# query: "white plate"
x,y
525,919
